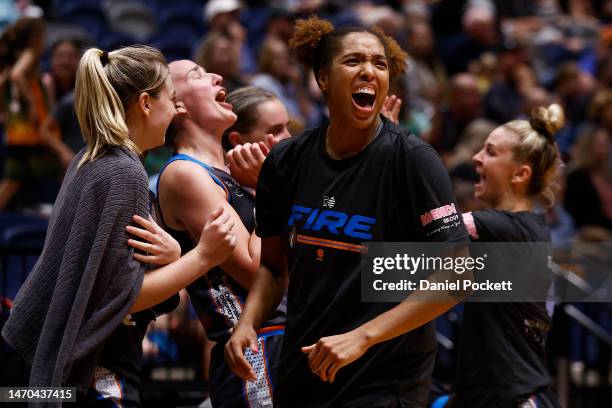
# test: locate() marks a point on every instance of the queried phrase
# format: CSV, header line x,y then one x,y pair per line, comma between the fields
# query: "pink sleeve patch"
x,y
468,220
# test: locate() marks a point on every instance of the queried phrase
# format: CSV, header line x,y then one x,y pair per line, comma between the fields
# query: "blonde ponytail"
x,y
98,108
103,94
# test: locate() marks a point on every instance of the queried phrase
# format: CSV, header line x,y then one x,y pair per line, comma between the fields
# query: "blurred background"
x,y
473,64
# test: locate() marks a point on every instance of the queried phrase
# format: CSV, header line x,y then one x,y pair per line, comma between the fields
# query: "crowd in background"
x,y
473,64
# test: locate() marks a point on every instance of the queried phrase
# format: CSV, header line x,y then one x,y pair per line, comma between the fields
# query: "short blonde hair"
x,y
106,84
536,146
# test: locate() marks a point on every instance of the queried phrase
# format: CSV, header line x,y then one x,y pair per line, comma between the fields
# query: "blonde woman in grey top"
x,y
75,320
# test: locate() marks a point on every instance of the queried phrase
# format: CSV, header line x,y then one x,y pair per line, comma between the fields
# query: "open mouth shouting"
x,y
480,184
364,99
220,99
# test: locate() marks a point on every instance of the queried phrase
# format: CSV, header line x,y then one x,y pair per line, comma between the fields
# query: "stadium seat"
x,y
60,6
31,234
61,30
196,7
174,48
88,15
180,22
21,240
133,19
112,41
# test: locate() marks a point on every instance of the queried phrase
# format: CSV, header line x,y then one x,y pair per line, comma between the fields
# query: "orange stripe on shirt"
x,y
331,244
269,329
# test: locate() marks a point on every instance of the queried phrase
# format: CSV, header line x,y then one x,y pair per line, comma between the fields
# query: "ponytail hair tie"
x,y
104,58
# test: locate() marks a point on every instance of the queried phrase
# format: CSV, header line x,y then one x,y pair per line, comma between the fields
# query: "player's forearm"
x,y
419,308
161,283
23,87
264,297
407,316
243,265
18,75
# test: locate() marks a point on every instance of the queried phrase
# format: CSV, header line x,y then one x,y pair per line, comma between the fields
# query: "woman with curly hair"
x,y
359,178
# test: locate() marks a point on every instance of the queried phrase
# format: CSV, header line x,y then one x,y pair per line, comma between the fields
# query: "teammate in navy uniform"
x,y
193,183
502,359
320,196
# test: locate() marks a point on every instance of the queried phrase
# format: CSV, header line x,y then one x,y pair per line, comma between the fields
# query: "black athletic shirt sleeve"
x,y
269,205
437,216
496,226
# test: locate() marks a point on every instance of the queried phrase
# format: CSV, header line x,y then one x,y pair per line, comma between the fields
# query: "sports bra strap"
x,y
209,169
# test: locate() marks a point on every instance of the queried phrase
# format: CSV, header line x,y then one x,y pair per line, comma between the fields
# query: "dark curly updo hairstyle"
x,y
315,43
536,146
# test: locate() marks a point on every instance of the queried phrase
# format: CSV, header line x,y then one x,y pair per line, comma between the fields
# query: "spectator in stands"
x,y
533,98
559,220
465,105
574,88
604,70
426,76
470,142
224,16
280,24
600,111
219,53
26,105
280,75
65,121
504,100
65,54
13,10
383,16
480,34
589,186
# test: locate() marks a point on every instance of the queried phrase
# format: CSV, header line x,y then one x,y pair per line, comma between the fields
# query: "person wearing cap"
x,y
224,16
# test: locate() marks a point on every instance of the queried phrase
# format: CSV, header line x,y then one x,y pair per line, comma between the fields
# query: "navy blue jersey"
x,y
217,298
326,209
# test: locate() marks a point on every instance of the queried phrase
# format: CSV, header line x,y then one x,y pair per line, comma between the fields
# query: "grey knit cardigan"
x,y
86,278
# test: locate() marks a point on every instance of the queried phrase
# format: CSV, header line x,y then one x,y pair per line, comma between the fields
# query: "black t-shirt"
x,y
122,351
65,117
503,349
326,209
